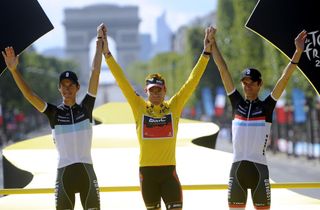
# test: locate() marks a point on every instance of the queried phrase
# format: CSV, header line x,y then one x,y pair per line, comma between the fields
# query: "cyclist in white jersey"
x,y
251,129
71,125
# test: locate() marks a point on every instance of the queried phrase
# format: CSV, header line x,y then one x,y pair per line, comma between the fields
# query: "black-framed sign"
x,y
22,22
280,21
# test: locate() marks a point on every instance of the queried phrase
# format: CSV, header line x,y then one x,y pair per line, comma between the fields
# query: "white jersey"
x,y
251,127
72,131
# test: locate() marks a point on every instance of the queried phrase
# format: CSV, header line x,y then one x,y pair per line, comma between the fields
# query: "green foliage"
x,y
40,73
240,47
211,77
247,45
225,19
273,64
176,68
243,48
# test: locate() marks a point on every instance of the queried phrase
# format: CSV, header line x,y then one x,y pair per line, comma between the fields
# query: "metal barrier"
x,y
289,185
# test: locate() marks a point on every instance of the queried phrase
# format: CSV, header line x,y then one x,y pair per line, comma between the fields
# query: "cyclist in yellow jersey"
x,y
157,126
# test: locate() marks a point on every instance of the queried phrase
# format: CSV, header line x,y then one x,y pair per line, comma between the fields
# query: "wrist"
x,y
298,51
13,70
206,52
107,54
99,43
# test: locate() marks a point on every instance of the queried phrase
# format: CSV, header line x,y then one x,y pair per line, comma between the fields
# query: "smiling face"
x,y
156,94
251,88
68,90
155,88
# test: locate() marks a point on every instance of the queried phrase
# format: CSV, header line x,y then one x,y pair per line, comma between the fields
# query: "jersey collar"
x,y
252,101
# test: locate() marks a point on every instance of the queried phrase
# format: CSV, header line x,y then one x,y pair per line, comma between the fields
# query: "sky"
x,y
178,13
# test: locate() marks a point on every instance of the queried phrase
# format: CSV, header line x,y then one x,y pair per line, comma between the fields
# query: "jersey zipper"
x,y
249,111
72,119
247,136
74,131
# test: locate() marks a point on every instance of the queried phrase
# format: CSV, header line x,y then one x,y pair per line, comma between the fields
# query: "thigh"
x,y
64,190
261,193
237,191
171,191
89,191
150,187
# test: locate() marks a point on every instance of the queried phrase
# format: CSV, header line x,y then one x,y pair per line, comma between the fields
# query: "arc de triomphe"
x,y
81,24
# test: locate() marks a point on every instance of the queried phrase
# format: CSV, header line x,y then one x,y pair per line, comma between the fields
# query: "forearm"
x,y
223,68
286,75
218,59
283,81
296,57
97,59
38,103
96,68
105,50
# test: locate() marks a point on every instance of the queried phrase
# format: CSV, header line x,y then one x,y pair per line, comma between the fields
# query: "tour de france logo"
x,y
312,47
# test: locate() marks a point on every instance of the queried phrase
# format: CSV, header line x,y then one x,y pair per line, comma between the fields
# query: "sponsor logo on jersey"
x,y
161,127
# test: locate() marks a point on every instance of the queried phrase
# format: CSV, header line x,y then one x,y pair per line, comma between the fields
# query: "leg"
x,y
65,197
89,192
171,190
150,187
261,193
237,191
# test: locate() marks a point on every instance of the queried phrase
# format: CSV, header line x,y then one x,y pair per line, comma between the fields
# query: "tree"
x,y
248,45
211,77
225,19
41,73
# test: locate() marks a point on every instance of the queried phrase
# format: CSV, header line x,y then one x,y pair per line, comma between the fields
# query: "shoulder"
x,y
88,99
270,99
49,107
50,110
269,103
235,95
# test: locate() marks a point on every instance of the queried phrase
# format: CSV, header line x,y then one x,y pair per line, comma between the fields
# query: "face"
x,y
251,88
68,89
156,94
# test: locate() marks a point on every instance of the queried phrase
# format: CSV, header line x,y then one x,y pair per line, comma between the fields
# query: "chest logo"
x,y
161,127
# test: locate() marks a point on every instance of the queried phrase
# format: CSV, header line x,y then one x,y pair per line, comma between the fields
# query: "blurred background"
x,y
148,36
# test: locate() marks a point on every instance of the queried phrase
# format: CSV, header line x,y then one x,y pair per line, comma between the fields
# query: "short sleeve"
x,y
50,111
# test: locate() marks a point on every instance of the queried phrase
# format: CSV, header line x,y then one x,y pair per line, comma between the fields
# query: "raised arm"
x,y
222,66
96,63
287,72
12,62
118,73
181,97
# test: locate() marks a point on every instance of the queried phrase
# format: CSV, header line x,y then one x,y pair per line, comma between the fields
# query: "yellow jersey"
x,y
157,125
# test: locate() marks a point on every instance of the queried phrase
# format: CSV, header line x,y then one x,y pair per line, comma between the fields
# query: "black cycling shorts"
x,y
77,178
160,182
246,175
